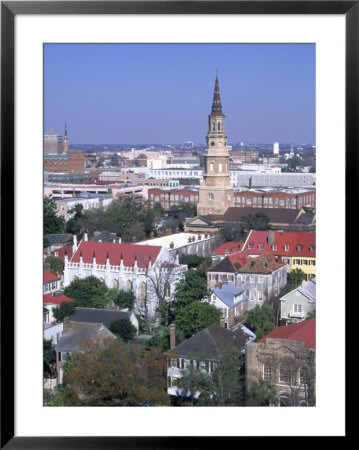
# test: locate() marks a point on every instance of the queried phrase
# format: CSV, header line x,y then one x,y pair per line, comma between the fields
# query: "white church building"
x,y
151,272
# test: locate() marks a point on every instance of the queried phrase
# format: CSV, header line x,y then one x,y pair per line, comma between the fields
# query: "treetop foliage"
x,y
261,319
89,292
197,316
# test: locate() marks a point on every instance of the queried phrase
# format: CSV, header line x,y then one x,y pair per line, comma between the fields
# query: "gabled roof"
x,y
225,265
56,299
61,252
78,333
299,243
265,263
227,293
128,251
302,332
231,246
105,316
231,263
48,277
211,343
309,290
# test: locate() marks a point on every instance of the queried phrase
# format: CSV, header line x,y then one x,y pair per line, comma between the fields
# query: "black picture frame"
x,y
9,9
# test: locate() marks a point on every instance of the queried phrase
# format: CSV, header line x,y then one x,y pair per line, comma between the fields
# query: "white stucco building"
x,y
151,272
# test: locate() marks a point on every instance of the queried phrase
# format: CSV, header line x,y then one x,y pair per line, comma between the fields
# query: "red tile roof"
x,y
265,263
48,276
258,243
239,259
128,251
56,299
61,252
301,332
232,246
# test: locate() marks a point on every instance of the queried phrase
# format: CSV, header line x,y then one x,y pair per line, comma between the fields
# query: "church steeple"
x,y
216,104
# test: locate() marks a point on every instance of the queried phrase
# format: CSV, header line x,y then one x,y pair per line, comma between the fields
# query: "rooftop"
x,y
301,332
228,294
48,277
78,333
211,343
105,316
178,240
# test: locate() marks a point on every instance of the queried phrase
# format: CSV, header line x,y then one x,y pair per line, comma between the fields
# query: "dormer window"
x,y
250,245
299,248
286,247
274,247
260,246
311,248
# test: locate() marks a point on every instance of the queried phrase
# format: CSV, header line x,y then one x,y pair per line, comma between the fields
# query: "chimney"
x,y
66,324
172,336
152,235
199,237
171,245
271,237
134,238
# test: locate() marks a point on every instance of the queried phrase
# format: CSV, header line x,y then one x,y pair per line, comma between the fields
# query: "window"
x,y
312,263
267,372
260,246
284,374
274,247
299,248
220,167
298,309
250,245
211,167
286,247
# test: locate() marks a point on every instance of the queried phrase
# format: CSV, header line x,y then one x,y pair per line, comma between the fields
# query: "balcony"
x,y
299,315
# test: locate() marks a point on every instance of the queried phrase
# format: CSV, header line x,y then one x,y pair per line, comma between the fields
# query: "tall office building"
x,y
276,149
53,143
66,140
216,190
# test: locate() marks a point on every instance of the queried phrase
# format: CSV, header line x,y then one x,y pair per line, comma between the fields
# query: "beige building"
x,y
216,191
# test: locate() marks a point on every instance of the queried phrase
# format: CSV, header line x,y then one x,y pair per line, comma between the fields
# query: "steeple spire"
x,y
216,105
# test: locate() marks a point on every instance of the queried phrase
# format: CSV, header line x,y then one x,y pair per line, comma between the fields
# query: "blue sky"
x,y
162,93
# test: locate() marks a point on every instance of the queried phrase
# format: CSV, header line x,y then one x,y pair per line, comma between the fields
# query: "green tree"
x,y
55,265
124,299
194,382
261,320
227,387
196,316
116,374
53,224
191,288
296,277
123,328
192,261
223,387
47,242
89,292
161,337
262,393
49,356
257,221
311,315
66,309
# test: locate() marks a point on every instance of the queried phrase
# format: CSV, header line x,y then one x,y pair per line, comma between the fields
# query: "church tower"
x,y
216,190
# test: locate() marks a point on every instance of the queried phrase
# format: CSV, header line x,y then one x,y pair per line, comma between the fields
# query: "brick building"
x,y
169,197
275,198
71,162
242,156
286,358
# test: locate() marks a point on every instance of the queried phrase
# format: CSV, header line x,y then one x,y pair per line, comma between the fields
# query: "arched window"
x,y
267,372
303,376
284,373
115,284
128,285
211,167
213,126
219,126
220,167
143,295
